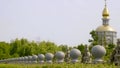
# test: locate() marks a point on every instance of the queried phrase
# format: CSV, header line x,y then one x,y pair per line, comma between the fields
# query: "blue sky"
x,y
60,21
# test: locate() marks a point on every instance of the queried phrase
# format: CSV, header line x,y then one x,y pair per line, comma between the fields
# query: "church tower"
x,y
106,34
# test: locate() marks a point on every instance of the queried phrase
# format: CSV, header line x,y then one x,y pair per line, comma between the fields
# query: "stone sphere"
x,y
26,58
60,55
34,57
49,56
21,58
12,59
98,51
17,59
41,56
75,53
29,58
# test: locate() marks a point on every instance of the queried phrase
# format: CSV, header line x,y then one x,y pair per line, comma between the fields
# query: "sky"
x,y
67,22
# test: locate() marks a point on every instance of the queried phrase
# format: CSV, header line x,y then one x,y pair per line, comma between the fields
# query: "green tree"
x,y
94,40
15,46
81,47
63,48
109,51
18,47
48,46
4,50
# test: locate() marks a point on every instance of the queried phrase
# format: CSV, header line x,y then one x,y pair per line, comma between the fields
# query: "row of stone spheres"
x,y
72,56
98,52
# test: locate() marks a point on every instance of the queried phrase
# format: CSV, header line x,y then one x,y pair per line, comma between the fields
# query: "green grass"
x,y
77,65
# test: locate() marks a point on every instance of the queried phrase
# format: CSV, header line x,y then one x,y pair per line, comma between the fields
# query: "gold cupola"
x,y
105,13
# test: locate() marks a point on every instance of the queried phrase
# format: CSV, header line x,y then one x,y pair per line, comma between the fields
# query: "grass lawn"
x,y
64,65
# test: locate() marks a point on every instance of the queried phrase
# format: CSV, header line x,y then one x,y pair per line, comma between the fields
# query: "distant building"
x,y
106,34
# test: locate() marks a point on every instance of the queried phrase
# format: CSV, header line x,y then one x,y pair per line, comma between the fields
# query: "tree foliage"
x,y
4,50
23,47
94,40
81,47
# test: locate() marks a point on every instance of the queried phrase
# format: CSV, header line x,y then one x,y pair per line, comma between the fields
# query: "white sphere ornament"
x,y
98,52
29,59
26,59
74,55
49,57
41,58
34,58
60,56
21,59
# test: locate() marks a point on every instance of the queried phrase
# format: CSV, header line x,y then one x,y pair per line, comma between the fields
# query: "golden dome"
x,y
105,28
105,13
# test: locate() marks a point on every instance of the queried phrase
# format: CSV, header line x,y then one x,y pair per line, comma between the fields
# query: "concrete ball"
x,y
49,56
41,56
60,55
26,58
75,53
21,58
29,58
34,57
98,51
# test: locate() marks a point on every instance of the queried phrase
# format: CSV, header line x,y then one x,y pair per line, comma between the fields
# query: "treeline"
x,y
23,47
